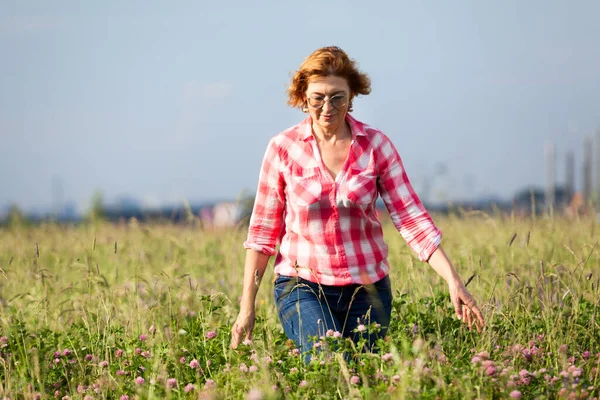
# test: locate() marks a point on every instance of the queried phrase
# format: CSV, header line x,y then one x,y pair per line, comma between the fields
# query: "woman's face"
x,y
328,100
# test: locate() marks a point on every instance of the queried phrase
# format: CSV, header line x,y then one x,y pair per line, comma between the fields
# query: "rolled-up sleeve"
x,y
404,206
267,220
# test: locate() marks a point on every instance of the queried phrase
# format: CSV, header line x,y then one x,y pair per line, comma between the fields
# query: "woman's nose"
x,y
327,106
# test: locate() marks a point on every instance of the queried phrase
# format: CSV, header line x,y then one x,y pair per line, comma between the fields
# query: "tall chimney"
x,y
587,170
550,177
570,176
596,167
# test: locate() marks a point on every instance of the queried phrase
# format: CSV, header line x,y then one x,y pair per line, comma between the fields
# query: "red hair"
x,y
324,62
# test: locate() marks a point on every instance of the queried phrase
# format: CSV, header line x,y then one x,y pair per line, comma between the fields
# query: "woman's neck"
x,y
333,134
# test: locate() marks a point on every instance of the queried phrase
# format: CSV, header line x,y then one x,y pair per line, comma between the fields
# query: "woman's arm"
x,y
254,269
265,227
464,304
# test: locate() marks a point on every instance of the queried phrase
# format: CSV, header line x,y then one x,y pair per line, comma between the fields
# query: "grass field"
x,y
144,311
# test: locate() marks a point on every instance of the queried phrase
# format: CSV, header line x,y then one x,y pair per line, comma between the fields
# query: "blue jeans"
x,y
309,309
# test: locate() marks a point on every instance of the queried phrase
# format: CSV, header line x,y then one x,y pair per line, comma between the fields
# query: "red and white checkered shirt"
x,y
329,229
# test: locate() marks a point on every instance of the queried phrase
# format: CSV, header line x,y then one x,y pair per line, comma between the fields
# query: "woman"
x,y
317,190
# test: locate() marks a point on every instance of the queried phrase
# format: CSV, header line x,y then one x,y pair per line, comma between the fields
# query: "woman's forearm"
x,y
254,269
442,265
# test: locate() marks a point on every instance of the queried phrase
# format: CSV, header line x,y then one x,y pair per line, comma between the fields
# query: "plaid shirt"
x,y
328,230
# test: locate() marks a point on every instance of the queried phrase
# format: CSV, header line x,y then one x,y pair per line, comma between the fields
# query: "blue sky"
x,y
166,101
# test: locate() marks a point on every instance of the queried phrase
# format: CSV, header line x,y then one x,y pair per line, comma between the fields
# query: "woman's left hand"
x,y
465,305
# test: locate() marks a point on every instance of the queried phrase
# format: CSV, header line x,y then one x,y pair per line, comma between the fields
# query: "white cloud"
x,y
197,98
196,92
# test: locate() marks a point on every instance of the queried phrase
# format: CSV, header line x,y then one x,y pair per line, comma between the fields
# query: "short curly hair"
x,y
323,62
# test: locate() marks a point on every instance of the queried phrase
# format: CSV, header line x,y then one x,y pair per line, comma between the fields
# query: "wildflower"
x,y
586,355
66,352
490,371
253,368
143,337
121,372
89,357
189,387
211,334
146,354
81,389
355,380
361,328
329,332
248,342
118,353
124,397
171,383
243,367
295,352
515,394
387,357
293,370
87,397
103,364
57,394
56,360
254,394
524,373
316,345
304,383
139,380
487,364
484,355
210,384
194,364
182,360
137,351
337,335
152,330
525,381
562,348
475,360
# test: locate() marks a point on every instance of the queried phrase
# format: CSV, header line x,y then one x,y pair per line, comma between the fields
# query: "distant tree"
x,y
97,211
246,204
16,217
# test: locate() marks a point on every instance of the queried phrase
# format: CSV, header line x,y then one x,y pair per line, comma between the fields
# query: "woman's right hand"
x,y
242,328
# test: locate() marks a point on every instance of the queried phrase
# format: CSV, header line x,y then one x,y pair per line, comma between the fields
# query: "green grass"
x,y
74,301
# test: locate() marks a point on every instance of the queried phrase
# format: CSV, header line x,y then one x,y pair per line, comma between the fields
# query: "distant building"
x,y
225,214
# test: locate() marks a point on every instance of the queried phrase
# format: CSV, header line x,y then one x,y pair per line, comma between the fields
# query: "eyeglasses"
x,y
336,101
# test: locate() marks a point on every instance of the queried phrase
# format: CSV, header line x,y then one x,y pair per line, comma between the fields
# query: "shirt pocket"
x,y
306,189
361,187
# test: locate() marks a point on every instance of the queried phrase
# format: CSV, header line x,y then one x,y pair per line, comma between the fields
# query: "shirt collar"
x,y
356,127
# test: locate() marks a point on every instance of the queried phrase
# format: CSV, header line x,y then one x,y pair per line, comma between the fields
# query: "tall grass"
x,y
144,311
